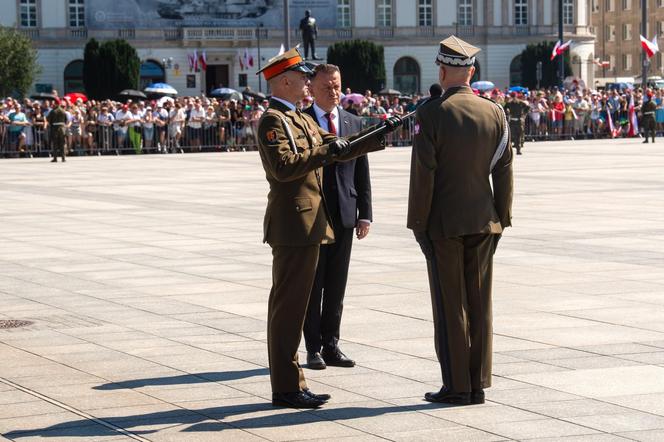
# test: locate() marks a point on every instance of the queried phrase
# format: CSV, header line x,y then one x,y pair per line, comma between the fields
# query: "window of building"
x,y
465,12
627,62
626,4
151,72
384,13
28,11
609,5
609,32
520,12
568,12
76,13
343,14
73,77
407,75
425,12
595,6
660,27
627,31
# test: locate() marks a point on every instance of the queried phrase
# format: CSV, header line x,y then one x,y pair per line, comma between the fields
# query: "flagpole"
x,y
287,25
561,62
645,61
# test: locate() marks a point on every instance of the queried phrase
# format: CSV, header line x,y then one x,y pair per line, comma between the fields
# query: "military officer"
x,y
517,109
460,139
293,150
57,120
648,110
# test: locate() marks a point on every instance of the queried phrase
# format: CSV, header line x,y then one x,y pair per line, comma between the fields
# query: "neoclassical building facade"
x,y
238,35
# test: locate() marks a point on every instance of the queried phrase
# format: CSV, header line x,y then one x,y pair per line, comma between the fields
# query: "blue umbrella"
x,y
483,85
519,89
161,88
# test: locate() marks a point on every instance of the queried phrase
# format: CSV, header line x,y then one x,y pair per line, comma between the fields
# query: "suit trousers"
x,y
321,327
293,271
460,276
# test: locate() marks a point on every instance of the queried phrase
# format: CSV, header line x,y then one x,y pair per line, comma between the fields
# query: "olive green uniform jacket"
x,y
450,192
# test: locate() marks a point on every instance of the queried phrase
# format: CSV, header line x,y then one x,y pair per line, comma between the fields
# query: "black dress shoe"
x,y
321,397
336,358
54,160
315,361
445,396
477,396
297,399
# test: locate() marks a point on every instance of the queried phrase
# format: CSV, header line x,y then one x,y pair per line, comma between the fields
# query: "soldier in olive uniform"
x,y
517,110
57,120
457,218
648,123
293,150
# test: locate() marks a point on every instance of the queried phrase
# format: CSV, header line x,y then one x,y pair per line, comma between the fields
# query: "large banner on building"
x,y
120,14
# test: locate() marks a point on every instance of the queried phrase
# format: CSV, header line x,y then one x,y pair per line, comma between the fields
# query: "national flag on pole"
x,y
190,58
612,128
195,60
602,64
202,59
239,58
651,47
251,60
245,58
633,123
559,48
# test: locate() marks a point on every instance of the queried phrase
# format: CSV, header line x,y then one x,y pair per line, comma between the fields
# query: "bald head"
x,y
292,86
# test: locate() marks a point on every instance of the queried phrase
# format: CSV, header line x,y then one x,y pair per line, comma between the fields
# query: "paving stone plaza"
x,y
146,283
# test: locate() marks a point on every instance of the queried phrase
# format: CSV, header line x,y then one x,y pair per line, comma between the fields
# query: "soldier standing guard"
x,y
517,110
293,151
648,110
57,120
309,31
457,218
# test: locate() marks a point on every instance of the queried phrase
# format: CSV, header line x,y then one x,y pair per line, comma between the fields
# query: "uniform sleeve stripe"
x,y
503,141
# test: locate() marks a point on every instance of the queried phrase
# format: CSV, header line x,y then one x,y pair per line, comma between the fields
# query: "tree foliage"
x,y
18,63
542,52
109,68
361,62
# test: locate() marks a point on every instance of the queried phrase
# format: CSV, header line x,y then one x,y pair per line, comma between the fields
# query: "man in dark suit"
x,y
293,151
347,191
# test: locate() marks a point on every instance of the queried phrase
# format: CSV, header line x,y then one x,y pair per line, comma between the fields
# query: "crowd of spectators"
x,y
201,123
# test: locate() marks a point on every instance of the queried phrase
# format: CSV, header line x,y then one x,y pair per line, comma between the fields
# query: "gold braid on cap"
x,y
454,60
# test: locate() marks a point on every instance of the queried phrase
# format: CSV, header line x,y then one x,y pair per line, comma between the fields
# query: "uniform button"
x,y
297,207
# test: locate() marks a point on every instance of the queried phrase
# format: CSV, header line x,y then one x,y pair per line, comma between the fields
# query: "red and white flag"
x,y
202,59
602,64
190,58
559,48
239,58
245,58
633,123
651,47
612,128
251,61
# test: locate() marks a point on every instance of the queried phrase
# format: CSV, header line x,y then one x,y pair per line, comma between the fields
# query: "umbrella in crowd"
x,y
248,92
75,96
226,93
519,90
389,92
482,85
131,93
43,96
355,98
161,89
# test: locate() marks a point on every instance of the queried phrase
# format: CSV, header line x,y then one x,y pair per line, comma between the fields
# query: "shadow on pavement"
x,y
194,378
212,419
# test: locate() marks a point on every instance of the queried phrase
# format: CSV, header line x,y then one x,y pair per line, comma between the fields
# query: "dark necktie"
x,y
330,123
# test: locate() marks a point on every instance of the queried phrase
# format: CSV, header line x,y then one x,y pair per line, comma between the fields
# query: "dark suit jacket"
x,y
352,177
